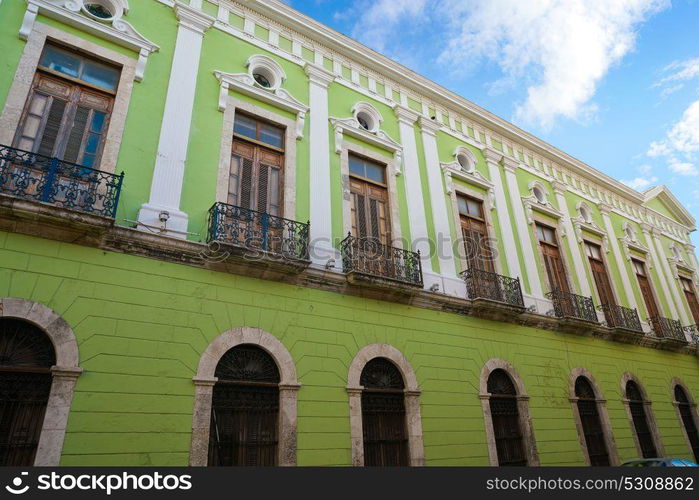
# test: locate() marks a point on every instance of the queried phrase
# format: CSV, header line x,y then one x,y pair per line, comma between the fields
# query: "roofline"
x,y
342,43
663,190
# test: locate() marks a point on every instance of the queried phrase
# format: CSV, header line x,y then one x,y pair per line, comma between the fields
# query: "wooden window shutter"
x,y
246,183
77,132
49,138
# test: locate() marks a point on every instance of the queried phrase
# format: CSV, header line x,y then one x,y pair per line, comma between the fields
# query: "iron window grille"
x,y
369,256
258,231
571,305
488,285
36,177
621,317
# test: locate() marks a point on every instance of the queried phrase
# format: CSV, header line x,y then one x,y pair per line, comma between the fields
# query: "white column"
x,y
672,279
523,231
559,189
492,159
168,175
321,248
413,186
443,244
618,257
647,229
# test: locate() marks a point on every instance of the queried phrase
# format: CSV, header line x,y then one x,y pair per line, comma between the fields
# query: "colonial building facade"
x,y
232,236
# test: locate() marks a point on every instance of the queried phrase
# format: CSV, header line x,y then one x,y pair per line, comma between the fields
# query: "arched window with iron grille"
x,y
637,406
383,414
507,426
687,415
591,422
245,409
26,358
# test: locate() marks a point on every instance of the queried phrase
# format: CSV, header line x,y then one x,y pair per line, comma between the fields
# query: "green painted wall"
x,y
142,324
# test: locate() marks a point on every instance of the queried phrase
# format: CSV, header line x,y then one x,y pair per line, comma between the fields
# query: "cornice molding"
x,y
492,155
318,75
351,127
279,97
193,19
406,115
73,13
559,187
429,126
510,164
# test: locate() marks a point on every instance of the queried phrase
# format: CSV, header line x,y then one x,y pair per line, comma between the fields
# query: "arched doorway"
x,y
639,419
383,415
26,358
507,427
245,409
591,423
687,415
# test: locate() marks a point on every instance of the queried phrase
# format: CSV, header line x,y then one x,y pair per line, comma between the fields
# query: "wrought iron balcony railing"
x,y
258,231
35,177
570,305
621,317
486,285
369,256
693,331
667,328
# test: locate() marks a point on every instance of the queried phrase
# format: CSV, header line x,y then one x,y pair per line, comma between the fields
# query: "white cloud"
x,y
680,71
560,49
681,143
683,168
640,183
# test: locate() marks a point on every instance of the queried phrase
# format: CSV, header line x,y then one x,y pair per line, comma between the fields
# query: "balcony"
x,y
258,237
34,177
493,293
569,306
693,332
367,260
622,318
667,328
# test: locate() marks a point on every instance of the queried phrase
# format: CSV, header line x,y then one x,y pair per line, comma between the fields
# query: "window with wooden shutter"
x,y
257,160
507,427
591,422
26,358
369,200
688,416
646,290
553,262
67,113
691,296
245,409
383,414
640,421
599,273
474,231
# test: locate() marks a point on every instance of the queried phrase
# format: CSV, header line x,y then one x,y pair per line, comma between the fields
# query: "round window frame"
x,y
116,8
543,197
469,164
585,213
369,114
267,68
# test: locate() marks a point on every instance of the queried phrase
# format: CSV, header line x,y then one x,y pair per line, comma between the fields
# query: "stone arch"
x,y
205,379
603,414
412,401
64,373
647,402
522,406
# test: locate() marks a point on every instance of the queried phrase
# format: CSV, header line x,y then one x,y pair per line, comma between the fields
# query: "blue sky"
x,y
614,83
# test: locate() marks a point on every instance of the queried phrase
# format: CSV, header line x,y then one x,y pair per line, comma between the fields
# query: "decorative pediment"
x,y
106,23
628,245
532,204
278,97
379,138
580,225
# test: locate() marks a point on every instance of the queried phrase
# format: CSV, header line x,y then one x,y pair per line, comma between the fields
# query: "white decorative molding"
x,y
580,225
531,204
628,245
269,68
369,114
279,97
351,127
114,29
454,170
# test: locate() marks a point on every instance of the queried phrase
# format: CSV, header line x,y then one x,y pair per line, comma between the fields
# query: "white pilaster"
x,y
618,257
559,189
413,186
523,231
647,229
443,244
672,280
492,159
322,250
168,175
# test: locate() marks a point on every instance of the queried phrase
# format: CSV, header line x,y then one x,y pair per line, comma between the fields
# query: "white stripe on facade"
x,y
621,265
647,228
